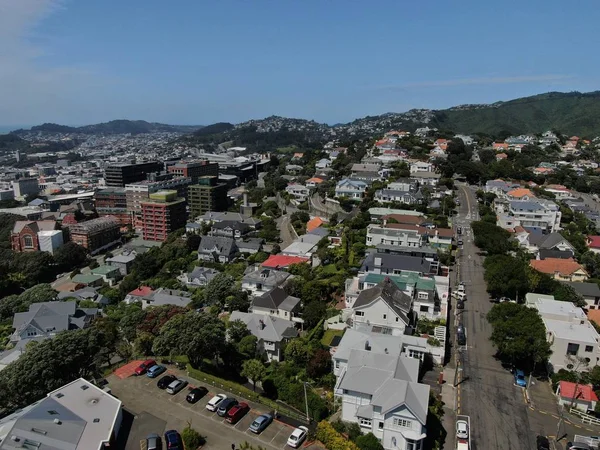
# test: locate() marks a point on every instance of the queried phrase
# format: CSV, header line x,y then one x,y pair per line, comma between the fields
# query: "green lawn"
x,y
290,149
329,335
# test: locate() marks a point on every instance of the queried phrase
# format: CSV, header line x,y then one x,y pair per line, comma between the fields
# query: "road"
x,y
497,408
286,229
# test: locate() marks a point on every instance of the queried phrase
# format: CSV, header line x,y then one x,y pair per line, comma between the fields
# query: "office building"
x,y
120,174
207,195
113,202
162,213
195,169
26,186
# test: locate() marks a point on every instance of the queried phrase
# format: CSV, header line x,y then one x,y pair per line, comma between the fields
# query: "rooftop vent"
x,y
84,387
57,421
96,420
60,395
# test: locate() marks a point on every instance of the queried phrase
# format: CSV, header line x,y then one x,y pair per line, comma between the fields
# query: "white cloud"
x,y
32,92
480,81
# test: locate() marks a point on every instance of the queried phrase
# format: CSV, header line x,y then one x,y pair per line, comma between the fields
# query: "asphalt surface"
x,y
486,393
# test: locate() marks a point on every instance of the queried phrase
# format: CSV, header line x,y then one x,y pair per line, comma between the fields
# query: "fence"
x,y
585,418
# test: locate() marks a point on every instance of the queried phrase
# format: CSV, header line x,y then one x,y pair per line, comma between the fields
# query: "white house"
x,y
353,189
277,303
384,306
380,392
323,163
299,191
257,280
377,235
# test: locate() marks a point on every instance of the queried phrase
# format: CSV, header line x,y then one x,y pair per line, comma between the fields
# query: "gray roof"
x,y
203,273
86,293
585,289
212,216
249,244
399,262
355,339
547,253
387,290
397,193
526,205
320,231
121,258
276,298
234,225
547,241
270,277
266,327
164,296
391,380
223,245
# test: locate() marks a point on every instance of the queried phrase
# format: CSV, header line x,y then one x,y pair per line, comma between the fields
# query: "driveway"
x,y
155,411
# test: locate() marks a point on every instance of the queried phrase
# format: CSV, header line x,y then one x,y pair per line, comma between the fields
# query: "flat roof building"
x,y
120,174
162,214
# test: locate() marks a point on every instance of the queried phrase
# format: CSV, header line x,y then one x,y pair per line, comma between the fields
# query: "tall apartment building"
x,y
195,169
162,213
96,234
207,195
26,186
140,192
113,202
120,174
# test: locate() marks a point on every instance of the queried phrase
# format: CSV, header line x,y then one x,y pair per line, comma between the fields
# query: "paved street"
x,y
286,230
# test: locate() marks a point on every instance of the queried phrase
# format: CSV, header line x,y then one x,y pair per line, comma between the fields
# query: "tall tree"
x,y
254,370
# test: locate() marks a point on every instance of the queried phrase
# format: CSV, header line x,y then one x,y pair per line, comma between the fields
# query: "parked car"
x,y
460,304
460,242
506,300
176,386
143,367
165,381
153,442
237,412
155,371
260,423
462,429
542,443
461,335
520,378
459,230
196,394
226,405
297,437
213,403
173,440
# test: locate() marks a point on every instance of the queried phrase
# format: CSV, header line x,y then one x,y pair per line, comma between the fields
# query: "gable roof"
x,y
313,223
349,182
276,298
593,242
546,253
282,261
142,291
387,290
584,391
163,296
266,327
400,262
520,192
203,272
223,245
585,289
551,240
556,265
35,226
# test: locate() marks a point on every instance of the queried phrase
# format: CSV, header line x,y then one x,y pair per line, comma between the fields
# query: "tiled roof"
x,y
584,391
313,223
594,241
142,291
554,265
275,261
520,192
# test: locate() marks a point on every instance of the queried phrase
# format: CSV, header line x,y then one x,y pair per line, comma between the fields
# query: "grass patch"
x,y
288,149
329,335
329,269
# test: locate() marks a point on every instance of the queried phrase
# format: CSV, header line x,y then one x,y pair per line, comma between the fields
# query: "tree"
x,y
247,346
254,370
319,364
269,231
506,276
236,331
368,442
519,334
491,238
69,256
297,352
313,313
218,289
238,301
191,438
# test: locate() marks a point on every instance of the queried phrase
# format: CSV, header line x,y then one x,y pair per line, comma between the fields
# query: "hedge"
x,y
332,439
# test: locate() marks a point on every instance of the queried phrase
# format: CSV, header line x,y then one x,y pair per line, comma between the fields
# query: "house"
x,y
500,146
500,187
138,294
227,216
395,264
577,395
272,332
250,245
421,166
392,195
123,262
520,194
313,182
277,303
405,219
560,269
571,336
230,229
377,214
193,228
385,306
257,281
25,235
298,191
314,223
43,321
380,392
426,178
88,280
303,246
86,293
589,291
390,235
593,243
217,249
283,261
200,276
352,189
559,191
552,245
110,274
163,296
323,163
76,416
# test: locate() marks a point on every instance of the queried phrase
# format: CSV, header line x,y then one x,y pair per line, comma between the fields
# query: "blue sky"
x,y
199,62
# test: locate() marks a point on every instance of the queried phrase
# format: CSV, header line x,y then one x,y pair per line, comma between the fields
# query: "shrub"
x,y
333,440
191,438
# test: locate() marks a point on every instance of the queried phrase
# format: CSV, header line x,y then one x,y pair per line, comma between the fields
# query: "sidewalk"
x,y
449,399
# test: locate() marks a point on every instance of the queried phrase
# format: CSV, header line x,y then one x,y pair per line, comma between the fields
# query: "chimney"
x,y
367,346
261,324
245,199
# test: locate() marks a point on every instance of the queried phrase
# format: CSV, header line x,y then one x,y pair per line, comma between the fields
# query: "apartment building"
x,y
120,174
26,186
539,213
113,202
194,169
377,235
162,214
207,195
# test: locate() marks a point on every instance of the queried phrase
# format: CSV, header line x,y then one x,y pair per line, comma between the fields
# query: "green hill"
x,y
570,113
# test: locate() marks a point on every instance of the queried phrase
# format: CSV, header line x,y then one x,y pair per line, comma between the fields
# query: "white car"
x,y
462,429
214,402
297,437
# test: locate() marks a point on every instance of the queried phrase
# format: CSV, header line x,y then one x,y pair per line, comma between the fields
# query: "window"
x,y
381,425
402,423
384,316
397,319
27,241
360,313
589,348
423,295
337,364
365,422
572,349
424,308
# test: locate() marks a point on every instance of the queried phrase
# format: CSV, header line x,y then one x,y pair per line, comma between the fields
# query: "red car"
x,y
237,412
143,367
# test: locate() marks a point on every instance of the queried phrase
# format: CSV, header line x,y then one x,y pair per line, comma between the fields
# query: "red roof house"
x,y
581,396
593,243
283,261
137,294
313,223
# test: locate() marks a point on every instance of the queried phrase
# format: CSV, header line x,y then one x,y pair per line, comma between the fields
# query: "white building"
x,y
539,213
378,235
353,189
77,416
298,191
575,343
380,392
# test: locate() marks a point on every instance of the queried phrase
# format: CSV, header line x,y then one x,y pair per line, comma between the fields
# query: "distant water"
x,y
6,130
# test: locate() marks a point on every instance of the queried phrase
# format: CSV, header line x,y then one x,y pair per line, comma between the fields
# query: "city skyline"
x,y
78,63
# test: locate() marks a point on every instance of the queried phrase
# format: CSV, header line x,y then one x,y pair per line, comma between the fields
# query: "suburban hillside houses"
x,y
560,269
352,189
257,280
277,303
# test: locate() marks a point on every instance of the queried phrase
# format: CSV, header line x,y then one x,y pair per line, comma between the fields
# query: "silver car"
x,y
176,386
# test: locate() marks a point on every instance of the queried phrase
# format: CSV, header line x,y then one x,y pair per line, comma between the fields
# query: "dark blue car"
x,y
173,440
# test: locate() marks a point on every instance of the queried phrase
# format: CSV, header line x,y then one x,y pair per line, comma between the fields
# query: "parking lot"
x,y
155,411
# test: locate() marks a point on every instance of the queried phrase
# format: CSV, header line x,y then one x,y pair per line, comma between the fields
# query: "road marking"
x,y
543,412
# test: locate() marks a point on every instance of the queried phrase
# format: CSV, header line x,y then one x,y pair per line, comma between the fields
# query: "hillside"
x,y
571,113
113,127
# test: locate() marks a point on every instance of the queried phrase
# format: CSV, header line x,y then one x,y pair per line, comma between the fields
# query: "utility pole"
x,y
306,402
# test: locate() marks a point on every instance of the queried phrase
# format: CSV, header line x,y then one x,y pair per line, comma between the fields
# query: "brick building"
x,y
24,236
96,234
113,202
195,169
162,213
207,195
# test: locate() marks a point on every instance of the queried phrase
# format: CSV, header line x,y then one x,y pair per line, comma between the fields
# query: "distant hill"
x,y
113,127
